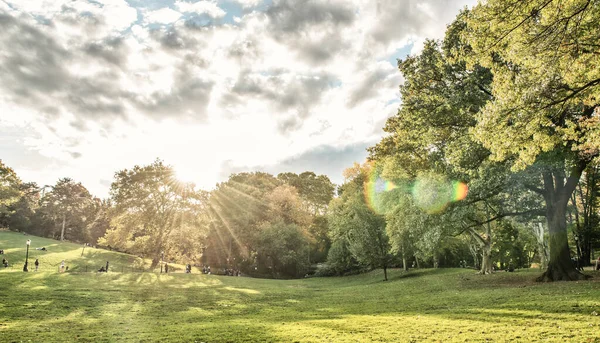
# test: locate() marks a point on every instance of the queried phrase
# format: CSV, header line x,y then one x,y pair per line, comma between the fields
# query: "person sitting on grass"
x,y
102,270
5,262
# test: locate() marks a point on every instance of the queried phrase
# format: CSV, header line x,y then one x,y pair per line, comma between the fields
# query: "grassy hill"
x,y
445,305
76,257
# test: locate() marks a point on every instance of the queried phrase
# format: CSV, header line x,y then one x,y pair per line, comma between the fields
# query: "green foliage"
x,y
282,250
546,88
513,245
316,191
363,230
267,226
340,260
9,192
155,213
67,205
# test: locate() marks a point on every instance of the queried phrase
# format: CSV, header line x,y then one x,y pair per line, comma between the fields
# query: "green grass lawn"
x,y
446,305
14,245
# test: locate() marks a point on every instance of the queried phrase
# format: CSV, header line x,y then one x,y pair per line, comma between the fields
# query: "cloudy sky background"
x,y
89,87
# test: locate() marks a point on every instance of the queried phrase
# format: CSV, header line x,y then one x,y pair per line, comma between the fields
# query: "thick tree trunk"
x,y
560,267
486,258
417,260
485,244
155,261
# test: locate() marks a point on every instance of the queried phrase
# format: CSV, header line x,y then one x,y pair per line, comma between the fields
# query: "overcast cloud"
x,y
91,87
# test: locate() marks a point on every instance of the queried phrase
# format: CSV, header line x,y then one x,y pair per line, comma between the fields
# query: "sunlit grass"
x,y
448,305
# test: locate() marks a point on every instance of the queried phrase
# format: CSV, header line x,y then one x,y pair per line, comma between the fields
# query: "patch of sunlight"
x,y
37,275
7,326
147,278
198,311
242,290
293,301
38,288
120,309
230,303
191,284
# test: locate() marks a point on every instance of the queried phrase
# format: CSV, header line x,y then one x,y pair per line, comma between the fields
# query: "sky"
x,y
212,87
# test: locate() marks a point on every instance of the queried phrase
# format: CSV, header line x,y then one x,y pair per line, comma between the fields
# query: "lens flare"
x,y
460,190
431,193
373,189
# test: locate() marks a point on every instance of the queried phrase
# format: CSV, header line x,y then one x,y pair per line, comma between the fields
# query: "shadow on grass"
x,y
187,307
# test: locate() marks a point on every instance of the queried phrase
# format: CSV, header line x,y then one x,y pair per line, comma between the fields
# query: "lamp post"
x,y
27,256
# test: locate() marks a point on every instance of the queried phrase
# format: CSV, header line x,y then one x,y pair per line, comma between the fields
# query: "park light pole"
x,y
27,256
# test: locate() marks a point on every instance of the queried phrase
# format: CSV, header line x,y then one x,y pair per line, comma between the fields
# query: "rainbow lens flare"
x,y
373,189
432,194
460,190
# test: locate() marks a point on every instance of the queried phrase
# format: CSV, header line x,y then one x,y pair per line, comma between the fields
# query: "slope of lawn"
x,y
14,245
443,305
77,258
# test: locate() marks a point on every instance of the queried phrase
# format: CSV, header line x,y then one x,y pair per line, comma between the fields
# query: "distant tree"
x,y
282,248
150,204
66,206
25,209
352,220
9,192
238,207
316,192
100,215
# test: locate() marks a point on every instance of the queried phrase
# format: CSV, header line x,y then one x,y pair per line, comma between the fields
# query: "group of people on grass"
x,y
5,261
232,272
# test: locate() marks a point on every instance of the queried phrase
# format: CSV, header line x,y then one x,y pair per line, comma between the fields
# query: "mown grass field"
x,y
447,305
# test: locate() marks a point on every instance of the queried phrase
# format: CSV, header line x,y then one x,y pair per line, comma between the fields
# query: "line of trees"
x,y
507,103
261,224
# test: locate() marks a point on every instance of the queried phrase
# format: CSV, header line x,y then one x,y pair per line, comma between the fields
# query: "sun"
x,y
186,175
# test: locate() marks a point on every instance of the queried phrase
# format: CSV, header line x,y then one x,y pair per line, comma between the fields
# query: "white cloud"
x,y
249,3
100,90
162,16
201,7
